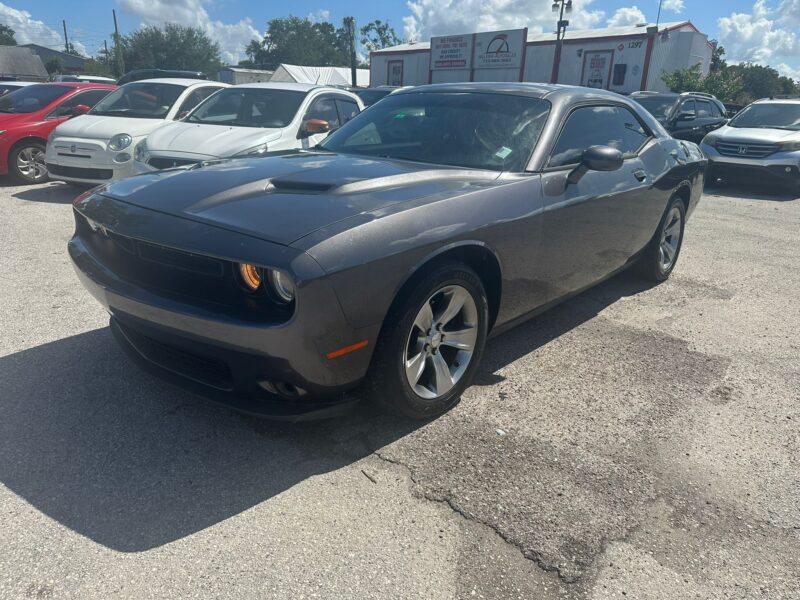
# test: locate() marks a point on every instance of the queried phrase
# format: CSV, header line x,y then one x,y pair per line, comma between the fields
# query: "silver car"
x,y
762,141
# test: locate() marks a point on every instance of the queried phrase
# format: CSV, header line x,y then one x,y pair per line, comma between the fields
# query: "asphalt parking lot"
x,y
637,442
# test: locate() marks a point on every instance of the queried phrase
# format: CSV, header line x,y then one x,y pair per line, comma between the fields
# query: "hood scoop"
x,y
299,186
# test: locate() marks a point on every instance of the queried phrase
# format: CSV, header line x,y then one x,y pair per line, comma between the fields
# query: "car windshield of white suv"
x,y
471,130
778,115
141,100
32,98
248,107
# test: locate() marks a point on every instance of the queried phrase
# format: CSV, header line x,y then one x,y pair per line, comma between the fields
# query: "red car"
x,y
28,115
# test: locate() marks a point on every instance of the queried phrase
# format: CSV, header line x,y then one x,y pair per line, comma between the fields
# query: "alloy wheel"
x,y
441,343
30,163
670,240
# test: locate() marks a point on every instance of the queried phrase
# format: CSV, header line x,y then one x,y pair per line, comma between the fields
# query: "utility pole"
x,y
105,54
658,18
119,63
350,24
66,39
560,6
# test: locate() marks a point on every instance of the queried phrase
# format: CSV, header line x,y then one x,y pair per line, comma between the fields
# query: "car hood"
x,y
214,140
284,198
104,128
758,135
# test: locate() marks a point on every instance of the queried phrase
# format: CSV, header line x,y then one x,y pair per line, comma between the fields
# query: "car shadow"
x,y
750,191
116,456
51,193
542,329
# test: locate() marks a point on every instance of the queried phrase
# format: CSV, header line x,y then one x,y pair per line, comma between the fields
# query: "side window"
x,y
704,109
195,98
688,107
613,126
716,111
88,98
324,108
347,109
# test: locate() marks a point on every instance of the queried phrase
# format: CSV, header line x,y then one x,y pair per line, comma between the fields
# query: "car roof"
x,y
778,101
80,84
281,85
535,90
180,81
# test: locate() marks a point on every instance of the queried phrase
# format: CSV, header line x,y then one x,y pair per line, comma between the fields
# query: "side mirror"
x,y
79,109
182,115
315,126
597,158
689,115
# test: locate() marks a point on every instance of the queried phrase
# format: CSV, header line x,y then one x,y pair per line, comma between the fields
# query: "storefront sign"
x,y
500,49
451,52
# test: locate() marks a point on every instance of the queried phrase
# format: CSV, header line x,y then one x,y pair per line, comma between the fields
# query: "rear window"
x,y
31,98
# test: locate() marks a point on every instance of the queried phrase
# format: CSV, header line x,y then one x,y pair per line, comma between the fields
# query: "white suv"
x,y
249,120
763,140
98,146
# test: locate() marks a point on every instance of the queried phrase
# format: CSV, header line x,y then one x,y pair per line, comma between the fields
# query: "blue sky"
x,y
766,31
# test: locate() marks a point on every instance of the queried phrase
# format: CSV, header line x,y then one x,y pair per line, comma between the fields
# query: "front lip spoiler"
x,y
267,405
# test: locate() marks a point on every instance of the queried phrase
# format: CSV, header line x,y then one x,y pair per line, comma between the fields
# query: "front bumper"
x,y
87,161
247,364
783,167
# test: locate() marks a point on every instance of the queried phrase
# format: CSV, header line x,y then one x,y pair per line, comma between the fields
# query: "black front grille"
x,y
747,149
80,172
204,369
160,162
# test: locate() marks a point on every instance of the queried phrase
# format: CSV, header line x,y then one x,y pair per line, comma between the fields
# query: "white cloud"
x,y
231,37
320,16
676,6
30,31
765,35
440,17
627,16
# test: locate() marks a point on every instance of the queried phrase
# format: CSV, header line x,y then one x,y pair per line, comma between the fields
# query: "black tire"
x,y
387,382
650,265
31,176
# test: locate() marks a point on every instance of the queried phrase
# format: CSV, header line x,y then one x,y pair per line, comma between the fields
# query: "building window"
x,y
619,74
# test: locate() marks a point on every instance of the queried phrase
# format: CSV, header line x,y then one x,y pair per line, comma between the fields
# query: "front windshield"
x,y
142,100
248,107
659,107
775,115
32,98
370,97
471,130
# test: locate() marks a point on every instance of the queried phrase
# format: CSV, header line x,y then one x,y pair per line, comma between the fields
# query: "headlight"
x,y
281,286
251,276
710,140
140,153
120,142
254,151
785,146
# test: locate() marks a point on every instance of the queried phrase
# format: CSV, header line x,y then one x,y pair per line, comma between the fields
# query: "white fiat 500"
x,y
98,146
249,120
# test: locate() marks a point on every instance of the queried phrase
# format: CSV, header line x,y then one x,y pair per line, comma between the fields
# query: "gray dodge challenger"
x,y
382,259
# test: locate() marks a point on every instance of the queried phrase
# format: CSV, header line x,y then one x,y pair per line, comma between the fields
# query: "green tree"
x,y
735,84
170,47
377,35
299,41
54,65
7,36
718,62
93,66
688,79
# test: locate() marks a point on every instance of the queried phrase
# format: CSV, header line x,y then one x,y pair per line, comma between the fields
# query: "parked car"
x,y
28,116
248,120
762,142
689,116
85,79
6,87
141,74
100,147
388,254
370,96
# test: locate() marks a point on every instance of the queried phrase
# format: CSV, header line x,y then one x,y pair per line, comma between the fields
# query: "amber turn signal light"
x,y
251,276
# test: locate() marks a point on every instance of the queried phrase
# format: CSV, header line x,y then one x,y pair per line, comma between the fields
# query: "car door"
x,y
591,228
322,108
63,110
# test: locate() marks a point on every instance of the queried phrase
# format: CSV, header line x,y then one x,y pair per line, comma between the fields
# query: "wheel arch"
x,y
684,192
475,254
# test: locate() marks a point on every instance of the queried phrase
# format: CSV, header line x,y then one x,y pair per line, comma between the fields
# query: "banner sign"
x,y
451,52
499,49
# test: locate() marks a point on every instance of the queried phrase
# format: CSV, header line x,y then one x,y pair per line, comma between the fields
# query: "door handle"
x,y
640,175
